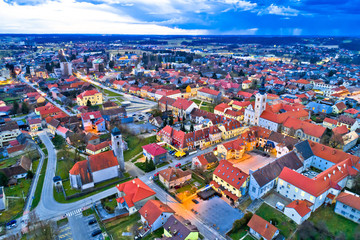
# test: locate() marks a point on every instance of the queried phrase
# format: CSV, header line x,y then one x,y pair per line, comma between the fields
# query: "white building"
x,y
252,114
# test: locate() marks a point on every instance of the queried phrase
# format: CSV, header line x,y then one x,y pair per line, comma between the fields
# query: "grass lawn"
x,y
63,167
197,101
207,108
8,162
334,222
110,93
243,206
135,145
157,234
249,237
285,224
59,196
117,227
39,185
109,203
238,234
15,205
199,180
88,212
62,222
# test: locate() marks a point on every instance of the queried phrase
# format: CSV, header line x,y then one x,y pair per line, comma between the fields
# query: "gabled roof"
x,y
178,227
153,209
263,227
135,190
88,93
102,161
182,103
91,115
154,149
350,199
308,128
302,207
172,174
209,91
272,170
230,174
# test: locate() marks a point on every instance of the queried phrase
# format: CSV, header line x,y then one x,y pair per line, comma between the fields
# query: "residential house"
x,y
204,161
34,124
154,215
176,228
93,96
233,149
53,125
132,195
93,121
319,108
19,170
230,129
351,123
339,107
330,123
303,129
348,206
172,177
298,210
182,107
155,153
209,95
230,181
262,229
8,132
156,121
246,84
93,149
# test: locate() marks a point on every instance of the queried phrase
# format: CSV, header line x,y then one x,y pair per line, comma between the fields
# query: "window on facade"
x,y
302,193
296,189
311,198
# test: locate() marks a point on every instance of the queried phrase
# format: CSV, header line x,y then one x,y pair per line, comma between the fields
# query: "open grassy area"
x,y
284,224
109,203
335,223
156,234
239,234
9,161
88,212
135,145
244,205
207,108
197,101
39,185
15,205
65,163
249,237
117,227
62,222
110,93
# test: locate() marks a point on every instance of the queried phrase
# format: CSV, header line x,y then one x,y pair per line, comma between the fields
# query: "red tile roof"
x,y
135,190
263,227
349,199
182,103
88,93
209,91
230,174
102,161
221,107
331,121
97,147
302,207
308,128
91,115
154,149
153,209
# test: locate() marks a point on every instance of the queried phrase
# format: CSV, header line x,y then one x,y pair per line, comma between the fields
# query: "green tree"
x,y
59,142
24,108
171,121
191,127
214,76
3,179
30,174
111,64
88,103
15,108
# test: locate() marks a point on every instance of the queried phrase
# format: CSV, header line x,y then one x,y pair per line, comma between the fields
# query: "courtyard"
x,y
252,161
208,211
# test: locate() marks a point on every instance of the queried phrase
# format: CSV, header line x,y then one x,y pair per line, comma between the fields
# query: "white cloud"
x,y
68,16
241,5
280,10
250,31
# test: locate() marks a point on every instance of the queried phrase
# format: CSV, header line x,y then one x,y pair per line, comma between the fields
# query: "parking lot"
x,y
65,233
251,161
80,227
208,211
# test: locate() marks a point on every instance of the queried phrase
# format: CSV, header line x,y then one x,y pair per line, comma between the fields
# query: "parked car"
x,y
280,206
178,165
96,232
11,224
177,187
92,221
195,201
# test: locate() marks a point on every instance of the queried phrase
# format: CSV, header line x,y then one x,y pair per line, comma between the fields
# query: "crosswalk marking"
x,y
74,212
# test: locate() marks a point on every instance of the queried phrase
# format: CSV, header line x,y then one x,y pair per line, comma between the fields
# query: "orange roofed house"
x,y
95,169
260,228
172,177
154,215
132,195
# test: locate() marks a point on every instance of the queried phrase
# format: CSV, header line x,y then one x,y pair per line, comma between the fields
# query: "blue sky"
x,y
228,17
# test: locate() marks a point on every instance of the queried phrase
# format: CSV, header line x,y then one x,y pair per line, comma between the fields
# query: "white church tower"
x,y
118,147
260,102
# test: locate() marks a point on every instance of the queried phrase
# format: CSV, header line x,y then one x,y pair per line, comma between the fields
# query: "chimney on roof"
x,y
267,225
133,181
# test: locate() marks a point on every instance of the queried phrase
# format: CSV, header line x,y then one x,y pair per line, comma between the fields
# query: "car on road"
x,y
11,224
178,165
177,187
195,201
92,221
96,232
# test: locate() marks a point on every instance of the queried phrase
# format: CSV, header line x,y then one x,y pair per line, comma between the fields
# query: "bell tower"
x,y
118,147
260,102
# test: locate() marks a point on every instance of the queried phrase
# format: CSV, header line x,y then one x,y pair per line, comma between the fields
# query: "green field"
x,y
39,185
284,224
15,205
117,227
135,145
335,223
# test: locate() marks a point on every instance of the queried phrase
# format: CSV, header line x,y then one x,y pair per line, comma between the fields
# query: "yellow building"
x,y
229,181
230,129
94,96
231,150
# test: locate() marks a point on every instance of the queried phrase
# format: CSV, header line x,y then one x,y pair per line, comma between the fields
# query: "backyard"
x,y
135,145
109,203
15,205
282,222
125,225
335,223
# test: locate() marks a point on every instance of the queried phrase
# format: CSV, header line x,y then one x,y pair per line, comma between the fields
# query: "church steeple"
x,y
262,89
